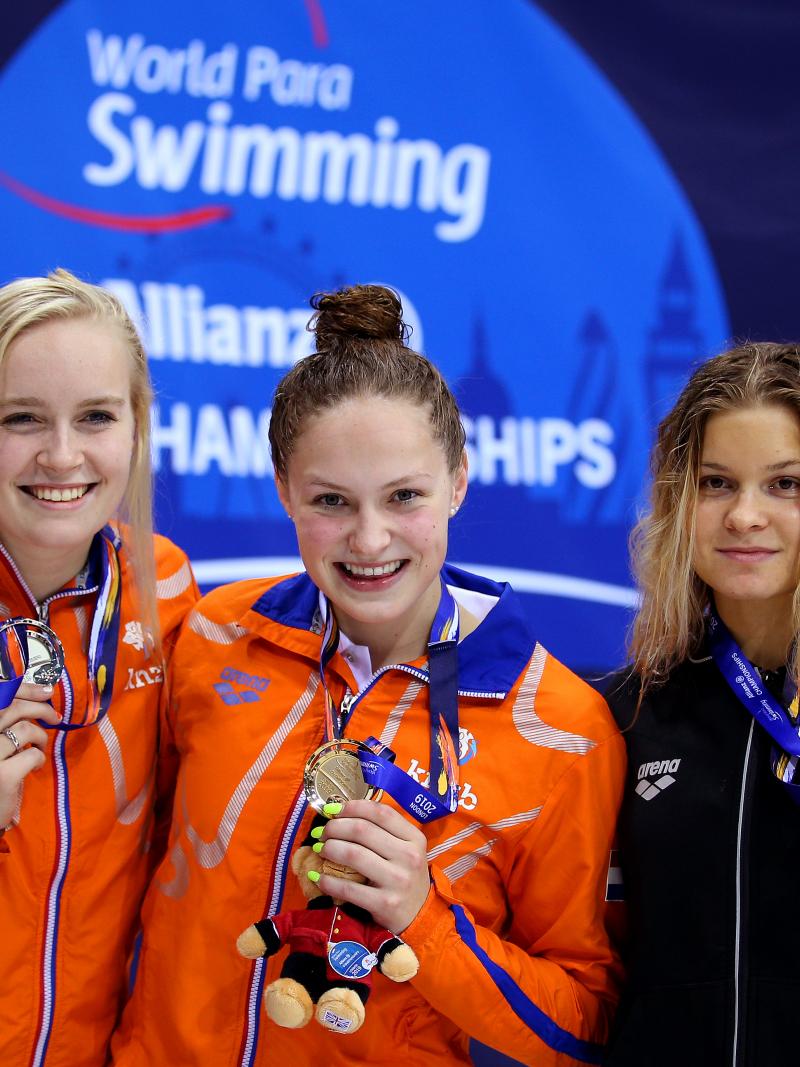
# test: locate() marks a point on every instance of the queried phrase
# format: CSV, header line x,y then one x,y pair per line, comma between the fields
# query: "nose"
x,y
369,534
746,512
61,451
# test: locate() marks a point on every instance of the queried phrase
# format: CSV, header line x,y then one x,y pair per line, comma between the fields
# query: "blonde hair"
x,y
669,625
29,302
361,351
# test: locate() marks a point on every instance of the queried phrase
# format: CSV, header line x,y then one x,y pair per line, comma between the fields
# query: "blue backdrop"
x,y
215,172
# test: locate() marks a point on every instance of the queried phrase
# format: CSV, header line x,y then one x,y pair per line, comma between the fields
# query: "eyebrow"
x,y
770,466
37,402
405,479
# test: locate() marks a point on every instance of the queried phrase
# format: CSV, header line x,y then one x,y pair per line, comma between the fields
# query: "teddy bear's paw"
x,y
401,964
250,943
288,1004
340,1010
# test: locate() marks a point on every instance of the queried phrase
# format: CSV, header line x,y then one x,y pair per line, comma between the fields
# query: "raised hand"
x,y
388,850
22,742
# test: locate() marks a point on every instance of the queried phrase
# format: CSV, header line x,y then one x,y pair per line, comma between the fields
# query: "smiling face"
x,y
66,438
370,493
747,530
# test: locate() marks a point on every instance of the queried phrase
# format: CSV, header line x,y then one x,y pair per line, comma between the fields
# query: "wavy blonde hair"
x,y
29,302
670,624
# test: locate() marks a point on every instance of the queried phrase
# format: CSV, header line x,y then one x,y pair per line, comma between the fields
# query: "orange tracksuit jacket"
x,y
511,942
75,869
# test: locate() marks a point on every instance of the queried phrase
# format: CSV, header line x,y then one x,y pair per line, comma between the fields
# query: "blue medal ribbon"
x,y
778,718
10,685
441,797
103,641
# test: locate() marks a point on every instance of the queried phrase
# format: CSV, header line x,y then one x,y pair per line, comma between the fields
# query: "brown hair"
x,y
30,302
361,351
669,625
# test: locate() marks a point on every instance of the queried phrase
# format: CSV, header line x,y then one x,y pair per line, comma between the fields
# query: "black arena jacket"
x,y
710,855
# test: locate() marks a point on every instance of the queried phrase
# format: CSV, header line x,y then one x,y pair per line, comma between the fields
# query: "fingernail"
x,y
316,833
46,689
331,809
318,847
313,876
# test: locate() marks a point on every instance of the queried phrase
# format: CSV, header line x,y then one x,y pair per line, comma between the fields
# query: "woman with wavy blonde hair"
x,y
81,679
710,827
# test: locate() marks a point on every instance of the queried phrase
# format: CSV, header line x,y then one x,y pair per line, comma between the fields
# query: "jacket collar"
x,y
490,659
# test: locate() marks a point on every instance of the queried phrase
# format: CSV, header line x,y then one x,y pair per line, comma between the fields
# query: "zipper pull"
x,y
344,708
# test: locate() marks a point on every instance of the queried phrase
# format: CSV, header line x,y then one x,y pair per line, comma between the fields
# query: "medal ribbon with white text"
x,y
778,718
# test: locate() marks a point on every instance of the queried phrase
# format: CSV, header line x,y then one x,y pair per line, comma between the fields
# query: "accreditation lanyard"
x,y
441,797
103,639
778,718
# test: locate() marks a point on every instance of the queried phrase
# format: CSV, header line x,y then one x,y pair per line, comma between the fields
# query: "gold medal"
x,y
333,775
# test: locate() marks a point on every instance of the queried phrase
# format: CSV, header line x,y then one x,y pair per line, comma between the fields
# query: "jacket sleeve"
x,y
545,992
180,595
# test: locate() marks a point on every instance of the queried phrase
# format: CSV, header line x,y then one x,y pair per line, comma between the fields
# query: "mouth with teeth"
x,y
57,494
372,574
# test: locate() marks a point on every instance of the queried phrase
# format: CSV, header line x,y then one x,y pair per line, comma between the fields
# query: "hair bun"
x,y
368,311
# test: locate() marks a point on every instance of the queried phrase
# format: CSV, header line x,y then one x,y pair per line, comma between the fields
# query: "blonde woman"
x,y
77,755
710,828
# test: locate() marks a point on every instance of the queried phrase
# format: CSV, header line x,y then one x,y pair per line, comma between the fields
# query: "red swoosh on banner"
x,y
181,220
319,31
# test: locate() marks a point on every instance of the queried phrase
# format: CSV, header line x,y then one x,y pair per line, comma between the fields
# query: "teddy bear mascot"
x,y
333,949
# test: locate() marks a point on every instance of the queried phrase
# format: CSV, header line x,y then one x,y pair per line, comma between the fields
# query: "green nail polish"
x,y
331,809
313,876
317,847
316,833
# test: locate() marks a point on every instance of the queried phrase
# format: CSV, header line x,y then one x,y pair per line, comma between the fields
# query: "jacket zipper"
x,y
740,954
253,1015
63,834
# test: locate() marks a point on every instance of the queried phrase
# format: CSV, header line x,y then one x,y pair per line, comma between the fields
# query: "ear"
x,y
283,495
460,481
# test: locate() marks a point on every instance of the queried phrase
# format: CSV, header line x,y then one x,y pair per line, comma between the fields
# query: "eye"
x,y
19,420
714,483
329,500
786,485
405,496
98,418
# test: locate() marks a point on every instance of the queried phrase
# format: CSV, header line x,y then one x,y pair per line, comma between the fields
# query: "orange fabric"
x,y
524,859
108,783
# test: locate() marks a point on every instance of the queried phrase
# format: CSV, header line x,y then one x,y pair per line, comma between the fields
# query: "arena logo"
x,y
179,324
234,440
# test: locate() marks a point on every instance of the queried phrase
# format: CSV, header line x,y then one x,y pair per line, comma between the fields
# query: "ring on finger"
x,y
12,737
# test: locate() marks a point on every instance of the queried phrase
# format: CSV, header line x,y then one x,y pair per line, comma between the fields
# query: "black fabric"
x,y
269,935
309,971
678,851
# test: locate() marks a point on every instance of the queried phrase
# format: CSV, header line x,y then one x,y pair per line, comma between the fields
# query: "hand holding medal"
x,y
31,660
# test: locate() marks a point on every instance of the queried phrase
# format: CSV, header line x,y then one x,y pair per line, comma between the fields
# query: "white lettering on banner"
x,y
313,166
177,324
235,440
292,82
526,451
152,68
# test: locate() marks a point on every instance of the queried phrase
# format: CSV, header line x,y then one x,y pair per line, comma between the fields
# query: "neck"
x,y
45,576
397,640
763,631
